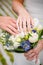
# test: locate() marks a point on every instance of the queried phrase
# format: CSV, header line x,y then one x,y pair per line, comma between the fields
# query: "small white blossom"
x,y
9,48
0,30
5,47
1,34
42,36
12,38
33,38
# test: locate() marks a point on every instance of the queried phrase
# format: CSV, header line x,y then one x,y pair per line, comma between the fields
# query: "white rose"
x,y
33,38
18,40
16,45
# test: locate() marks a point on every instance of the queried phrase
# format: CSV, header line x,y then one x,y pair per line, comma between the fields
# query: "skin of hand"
x,y
24,18
8,24
34,53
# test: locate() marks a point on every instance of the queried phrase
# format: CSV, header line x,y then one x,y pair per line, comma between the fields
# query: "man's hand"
x,y
21,1
24,20
8,24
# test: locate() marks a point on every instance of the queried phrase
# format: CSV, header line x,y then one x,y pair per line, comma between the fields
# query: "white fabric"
x,y
21,60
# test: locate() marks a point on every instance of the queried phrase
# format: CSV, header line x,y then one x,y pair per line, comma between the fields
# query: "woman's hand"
x,y
8,24
25,21
33,54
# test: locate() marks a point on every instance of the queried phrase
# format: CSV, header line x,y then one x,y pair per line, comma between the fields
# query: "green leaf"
x,y
11,56
2,60
40,34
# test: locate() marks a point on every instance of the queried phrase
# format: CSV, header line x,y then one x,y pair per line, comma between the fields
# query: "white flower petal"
x,y
12,38
33,38
16,45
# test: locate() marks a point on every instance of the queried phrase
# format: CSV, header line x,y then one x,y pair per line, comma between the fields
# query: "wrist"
x,y
22,10
17,7
40,45
39,48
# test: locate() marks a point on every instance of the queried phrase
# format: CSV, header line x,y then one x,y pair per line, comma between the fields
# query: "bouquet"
x,y
23,42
